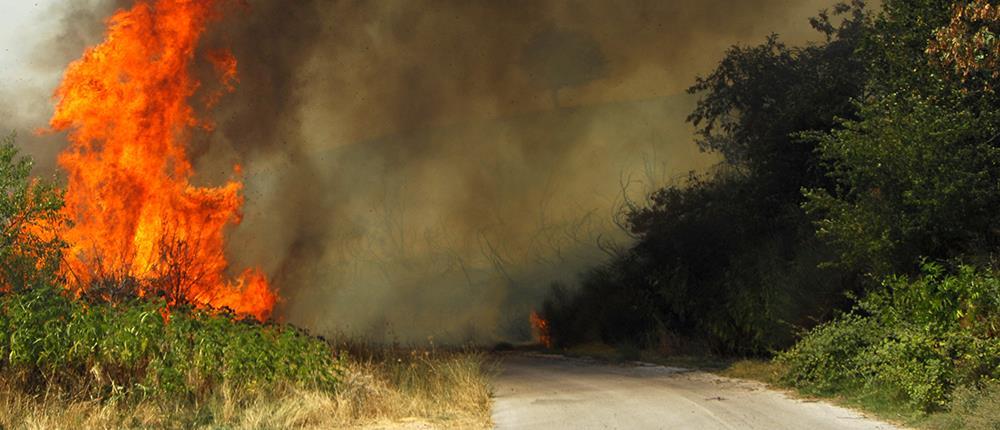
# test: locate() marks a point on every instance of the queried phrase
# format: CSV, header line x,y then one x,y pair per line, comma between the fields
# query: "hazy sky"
x,y
23,26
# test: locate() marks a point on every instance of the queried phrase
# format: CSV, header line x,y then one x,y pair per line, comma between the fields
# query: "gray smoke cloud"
x,y
428,167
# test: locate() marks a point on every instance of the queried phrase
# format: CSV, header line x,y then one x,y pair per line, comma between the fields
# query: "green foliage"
x,y
916,175
51,341
894,47
759,98
728,261
30,251
912,341
917,178
826,359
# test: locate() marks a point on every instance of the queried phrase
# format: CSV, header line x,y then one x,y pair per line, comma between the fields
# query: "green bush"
x,y
51,341
826,359
912,341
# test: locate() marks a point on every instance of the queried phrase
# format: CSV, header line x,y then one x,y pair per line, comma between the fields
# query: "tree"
x,y
759,98
728,261
916,175
970,44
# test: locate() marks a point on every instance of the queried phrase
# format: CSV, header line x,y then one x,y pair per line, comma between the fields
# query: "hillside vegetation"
x,y
851,231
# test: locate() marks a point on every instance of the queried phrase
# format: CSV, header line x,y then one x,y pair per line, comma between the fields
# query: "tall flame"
x,y
135,213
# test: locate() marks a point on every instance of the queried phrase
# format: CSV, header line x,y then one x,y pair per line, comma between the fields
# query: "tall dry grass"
x,y
381,387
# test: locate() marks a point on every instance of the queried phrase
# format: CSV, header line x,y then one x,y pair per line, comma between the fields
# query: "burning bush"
x,y
114,338
540,329
30,251
127,107
109,355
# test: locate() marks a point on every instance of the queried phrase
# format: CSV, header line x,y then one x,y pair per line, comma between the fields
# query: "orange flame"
x,y
135,213
540,329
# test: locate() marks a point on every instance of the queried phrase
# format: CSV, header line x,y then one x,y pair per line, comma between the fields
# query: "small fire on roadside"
x,y
540,329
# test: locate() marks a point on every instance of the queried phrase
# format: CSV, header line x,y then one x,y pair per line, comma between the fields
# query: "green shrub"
x,y
826,359
913,341
51,341
910,366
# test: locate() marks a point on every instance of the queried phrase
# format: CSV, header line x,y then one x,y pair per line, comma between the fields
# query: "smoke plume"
x,y
428,167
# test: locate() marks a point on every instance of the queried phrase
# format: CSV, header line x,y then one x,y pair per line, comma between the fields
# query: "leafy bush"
x,y
914,341
50,341
827,358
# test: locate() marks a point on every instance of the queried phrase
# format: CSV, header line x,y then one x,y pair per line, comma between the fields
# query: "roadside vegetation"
x,y
913,347
848,242
123,355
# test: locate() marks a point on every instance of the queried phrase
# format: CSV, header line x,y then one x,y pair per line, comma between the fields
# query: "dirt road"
x,y
552,393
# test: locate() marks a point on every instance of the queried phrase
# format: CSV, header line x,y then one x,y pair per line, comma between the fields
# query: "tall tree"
x,y
759,98
729,260
916,175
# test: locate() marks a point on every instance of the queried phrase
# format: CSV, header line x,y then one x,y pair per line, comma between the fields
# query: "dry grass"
x,y
387,388
765,371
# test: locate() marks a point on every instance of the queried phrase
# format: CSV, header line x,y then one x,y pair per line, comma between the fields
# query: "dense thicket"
x,y
917,174
910,341
867,166
730,258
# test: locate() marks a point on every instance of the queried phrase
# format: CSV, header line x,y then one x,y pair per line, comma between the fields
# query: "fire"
x,y
135,213
540,329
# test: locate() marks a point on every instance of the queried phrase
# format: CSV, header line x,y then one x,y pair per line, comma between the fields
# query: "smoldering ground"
x,y
428,168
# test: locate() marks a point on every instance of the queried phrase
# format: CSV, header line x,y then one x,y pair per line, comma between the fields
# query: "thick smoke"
x,y
428,168
26,100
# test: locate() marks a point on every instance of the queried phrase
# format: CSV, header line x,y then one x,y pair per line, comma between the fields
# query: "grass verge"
x,y
969,408
419,388
383,386
79,364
